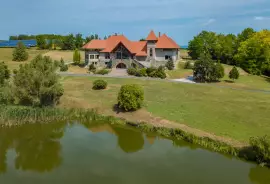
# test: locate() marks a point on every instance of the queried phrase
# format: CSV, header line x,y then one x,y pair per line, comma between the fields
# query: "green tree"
x,y
170,64
4,73
234,74
205,43
20,53
41,42
76,57
254,53
37,83
205,70
226,48
245,34
130,97
68,42
78,41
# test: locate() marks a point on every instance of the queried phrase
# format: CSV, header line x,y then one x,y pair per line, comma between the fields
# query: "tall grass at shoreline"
x,y
17,115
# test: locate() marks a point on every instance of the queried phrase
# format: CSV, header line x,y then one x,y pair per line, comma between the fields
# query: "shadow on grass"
x,y
267,79
118,110
229,81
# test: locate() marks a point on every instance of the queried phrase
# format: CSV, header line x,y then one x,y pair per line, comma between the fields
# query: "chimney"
x,y
159,34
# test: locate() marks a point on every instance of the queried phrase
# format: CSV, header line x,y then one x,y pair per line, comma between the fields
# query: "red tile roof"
x,y
138,48
152,36
165,42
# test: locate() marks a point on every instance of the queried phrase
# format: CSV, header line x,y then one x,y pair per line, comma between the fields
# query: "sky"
x,y
180,19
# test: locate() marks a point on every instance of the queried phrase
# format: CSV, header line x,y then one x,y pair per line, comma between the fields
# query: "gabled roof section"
x,y
139,48
165,42
152,36
113,41
95,44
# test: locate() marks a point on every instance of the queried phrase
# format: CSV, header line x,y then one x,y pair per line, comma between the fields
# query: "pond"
x,y
64,153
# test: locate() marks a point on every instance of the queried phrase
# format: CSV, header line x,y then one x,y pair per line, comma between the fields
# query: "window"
x,y
168,57
106,63
97,56
91,56
151,52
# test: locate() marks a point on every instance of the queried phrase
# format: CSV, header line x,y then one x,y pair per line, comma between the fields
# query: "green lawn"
x,y
231,113
6,56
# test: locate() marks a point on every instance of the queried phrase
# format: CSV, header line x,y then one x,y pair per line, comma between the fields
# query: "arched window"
x,y
151,52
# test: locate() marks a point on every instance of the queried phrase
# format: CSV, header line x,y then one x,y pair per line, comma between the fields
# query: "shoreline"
x,y
17,116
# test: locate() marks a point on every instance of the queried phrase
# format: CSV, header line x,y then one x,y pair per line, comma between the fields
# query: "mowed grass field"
x,y
6,56
224,112
245,81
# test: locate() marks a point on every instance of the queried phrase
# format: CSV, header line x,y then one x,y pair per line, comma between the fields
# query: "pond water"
x,y
61,153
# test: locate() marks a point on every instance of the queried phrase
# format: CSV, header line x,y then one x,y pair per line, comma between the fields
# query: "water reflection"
x,y
259,175
37,146
129,141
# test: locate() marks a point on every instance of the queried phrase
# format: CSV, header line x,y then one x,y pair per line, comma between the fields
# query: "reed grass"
x,y
17,115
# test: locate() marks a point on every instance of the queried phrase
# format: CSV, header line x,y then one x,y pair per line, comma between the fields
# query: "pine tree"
x,y
20,53
234,74
76,57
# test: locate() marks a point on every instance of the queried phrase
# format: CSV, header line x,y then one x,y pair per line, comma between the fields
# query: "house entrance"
x,y
121,66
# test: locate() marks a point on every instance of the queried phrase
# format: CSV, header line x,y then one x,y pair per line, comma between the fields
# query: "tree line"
x,y
53,41
249,49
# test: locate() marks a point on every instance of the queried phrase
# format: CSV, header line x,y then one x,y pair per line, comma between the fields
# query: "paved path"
x,y
165,80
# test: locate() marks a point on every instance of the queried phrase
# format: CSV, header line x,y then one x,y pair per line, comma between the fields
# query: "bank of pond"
x,y
41,146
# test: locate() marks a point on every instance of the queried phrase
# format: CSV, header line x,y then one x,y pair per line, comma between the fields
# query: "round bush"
x,y
99,84
130,97
64,68
132,71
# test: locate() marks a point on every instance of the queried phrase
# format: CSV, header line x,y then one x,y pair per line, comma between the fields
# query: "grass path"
x,y
220,111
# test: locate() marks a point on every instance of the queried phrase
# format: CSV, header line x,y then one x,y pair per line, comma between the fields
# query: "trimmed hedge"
x,y
130,97
99,84
103,72
149,72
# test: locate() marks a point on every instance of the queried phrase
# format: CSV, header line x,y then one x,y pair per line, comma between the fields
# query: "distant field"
x,y
66,55
6,56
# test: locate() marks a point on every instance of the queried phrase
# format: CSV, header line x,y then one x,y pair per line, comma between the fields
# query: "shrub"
x,y
92,68
261,147
6,94
234,74
103,72
63,66
170,64
188,65
150,70
141,73
99,84
130,97
20,53
37,83
131,71
4,73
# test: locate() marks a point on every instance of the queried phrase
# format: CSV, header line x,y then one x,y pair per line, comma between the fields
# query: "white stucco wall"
x,y
160,54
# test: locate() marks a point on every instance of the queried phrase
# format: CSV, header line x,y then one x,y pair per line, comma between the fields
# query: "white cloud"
x,y
261,18
210,21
